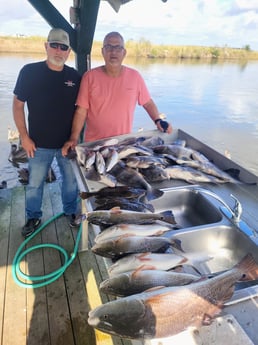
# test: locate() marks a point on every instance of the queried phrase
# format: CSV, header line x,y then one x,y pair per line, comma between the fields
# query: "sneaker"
x,y
74,220
31,225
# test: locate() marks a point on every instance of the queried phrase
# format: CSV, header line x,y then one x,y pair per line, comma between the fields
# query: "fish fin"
x,y
143,268
153,193
182,261
235,173
155,288
142,256
249,268
116,209
168,217
207,320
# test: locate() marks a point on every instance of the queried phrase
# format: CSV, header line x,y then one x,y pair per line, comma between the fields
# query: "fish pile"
x,y
147,275
142,256
166,311
141,161
147,271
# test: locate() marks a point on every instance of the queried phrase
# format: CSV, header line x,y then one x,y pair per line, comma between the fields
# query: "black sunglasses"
x,y
62,46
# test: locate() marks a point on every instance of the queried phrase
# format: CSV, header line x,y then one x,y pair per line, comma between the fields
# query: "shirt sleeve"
x,y
20,89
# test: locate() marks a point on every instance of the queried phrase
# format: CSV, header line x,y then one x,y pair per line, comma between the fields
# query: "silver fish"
x,y
80,151
162,261
164,312
111,159
125,151
117,216
90,159
144,162
174,150
123,245
100,163
152,141
85,156
114,231
203,164
99,144
129,283
106,179
190,175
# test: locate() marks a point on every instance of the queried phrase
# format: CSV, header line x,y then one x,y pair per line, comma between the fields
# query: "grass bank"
x,y
142,48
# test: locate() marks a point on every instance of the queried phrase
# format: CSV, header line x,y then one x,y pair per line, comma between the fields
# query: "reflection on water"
x,y
215,101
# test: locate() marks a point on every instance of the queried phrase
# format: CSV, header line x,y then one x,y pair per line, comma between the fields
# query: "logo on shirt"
x,y
69,83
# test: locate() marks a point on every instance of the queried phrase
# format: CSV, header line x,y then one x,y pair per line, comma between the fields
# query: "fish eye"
x,y
105,316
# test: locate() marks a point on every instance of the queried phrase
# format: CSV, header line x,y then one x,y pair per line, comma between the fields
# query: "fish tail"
x,y
85,195
249,268
167,216
153,193
176,244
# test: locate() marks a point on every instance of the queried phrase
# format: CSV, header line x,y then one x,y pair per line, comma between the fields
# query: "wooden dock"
x,y
57,313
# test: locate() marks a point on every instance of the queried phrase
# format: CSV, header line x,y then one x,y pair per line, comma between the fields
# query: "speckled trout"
x,y
164,312
118,230
123,245
118,216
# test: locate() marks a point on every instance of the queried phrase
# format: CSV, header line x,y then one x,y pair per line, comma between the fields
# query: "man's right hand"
x,y
68,146
29,146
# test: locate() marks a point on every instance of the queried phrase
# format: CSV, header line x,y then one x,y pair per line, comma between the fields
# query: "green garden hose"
x,y
42,280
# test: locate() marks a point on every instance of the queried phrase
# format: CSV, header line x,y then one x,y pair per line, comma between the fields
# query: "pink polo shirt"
x,y
110,101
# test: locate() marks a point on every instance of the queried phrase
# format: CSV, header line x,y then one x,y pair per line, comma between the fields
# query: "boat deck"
x,y
57,313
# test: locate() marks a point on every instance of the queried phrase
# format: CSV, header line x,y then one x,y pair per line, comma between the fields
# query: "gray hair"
x,y
113,34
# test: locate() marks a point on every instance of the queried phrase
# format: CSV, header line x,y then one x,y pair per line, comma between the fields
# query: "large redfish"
x,y
167,311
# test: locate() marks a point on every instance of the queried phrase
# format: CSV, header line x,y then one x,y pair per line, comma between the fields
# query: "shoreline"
x,y
142,49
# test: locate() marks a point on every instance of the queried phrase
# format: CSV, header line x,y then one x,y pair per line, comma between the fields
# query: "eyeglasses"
x,y
62,46
109,48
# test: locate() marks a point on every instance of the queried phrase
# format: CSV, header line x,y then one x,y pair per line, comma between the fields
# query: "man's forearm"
x,y
19,117
78,123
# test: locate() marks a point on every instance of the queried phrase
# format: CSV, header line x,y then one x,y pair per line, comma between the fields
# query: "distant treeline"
x,y
142,49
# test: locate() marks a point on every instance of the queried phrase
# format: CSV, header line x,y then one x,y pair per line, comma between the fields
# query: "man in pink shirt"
x,y
108,96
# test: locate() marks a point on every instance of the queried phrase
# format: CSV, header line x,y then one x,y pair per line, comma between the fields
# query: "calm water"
x,y
216,102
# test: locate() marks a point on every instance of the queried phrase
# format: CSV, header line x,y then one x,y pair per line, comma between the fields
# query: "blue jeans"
x,y
38,169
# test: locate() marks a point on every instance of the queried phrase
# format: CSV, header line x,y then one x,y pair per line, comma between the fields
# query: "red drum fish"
x,y
163,312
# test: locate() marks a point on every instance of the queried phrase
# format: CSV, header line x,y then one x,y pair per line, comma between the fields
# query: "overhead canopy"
x,y
117,3
83,15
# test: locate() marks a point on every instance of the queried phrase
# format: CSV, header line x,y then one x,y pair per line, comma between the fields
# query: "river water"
x,y
215,102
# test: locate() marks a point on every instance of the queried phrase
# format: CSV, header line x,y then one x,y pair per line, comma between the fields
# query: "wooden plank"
x,y
94,271
37,312
15,302
58,308
74,282
5,211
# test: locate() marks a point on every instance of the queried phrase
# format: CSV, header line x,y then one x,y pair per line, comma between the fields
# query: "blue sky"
x,y
186,22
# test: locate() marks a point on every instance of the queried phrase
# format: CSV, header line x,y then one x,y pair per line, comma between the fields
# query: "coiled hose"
x,y
42,280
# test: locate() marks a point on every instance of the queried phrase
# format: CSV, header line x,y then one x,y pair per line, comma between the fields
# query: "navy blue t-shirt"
x,y
50,97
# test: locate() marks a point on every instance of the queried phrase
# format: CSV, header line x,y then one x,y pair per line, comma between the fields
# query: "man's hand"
x,y
68,146
164,126
29,146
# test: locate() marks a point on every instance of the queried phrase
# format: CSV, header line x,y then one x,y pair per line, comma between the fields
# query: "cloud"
x,y
243,6
185,22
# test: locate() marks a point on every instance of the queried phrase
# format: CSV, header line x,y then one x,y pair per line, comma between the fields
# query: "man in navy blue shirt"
x,y
49,89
